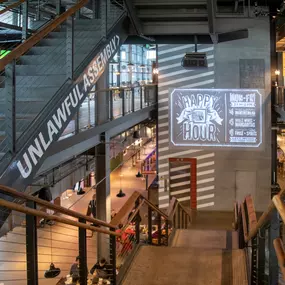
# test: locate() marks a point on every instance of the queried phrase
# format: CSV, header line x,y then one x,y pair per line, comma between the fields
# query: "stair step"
x,y
34,25
31,92
51,42
43,81
40,69
77,34
3,135
85,22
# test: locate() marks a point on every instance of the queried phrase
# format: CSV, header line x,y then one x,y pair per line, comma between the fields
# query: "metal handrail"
x,y
251,227
125,210
121,88
9,7
34,39
37,213
263,219
23,196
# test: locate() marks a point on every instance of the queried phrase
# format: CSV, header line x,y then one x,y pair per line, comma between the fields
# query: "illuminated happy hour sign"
x,y
216,117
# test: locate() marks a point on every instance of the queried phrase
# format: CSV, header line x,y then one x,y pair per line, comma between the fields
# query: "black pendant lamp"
x,y
139,175
52,272
121,194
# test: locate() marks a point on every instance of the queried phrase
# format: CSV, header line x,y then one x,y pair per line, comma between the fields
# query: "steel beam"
x,y
133,17
75,145
212,20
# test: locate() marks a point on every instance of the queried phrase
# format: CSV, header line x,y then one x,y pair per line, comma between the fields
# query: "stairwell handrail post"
x,y
82,245
159,230
137,220
149,225
32,245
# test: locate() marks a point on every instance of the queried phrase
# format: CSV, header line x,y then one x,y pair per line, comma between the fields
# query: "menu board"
x,y
216,117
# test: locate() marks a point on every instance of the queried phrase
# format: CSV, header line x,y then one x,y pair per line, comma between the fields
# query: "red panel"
x,y
193,190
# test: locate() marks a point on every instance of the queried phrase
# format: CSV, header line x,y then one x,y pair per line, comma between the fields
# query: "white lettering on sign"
x,y
72,101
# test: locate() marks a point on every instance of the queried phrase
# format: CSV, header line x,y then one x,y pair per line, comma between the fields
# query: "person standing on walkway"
x,y
92,208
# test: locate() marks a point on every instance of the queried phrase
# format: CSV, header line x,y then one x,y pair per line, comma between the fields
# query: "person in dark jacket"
x,y
74,270
100,270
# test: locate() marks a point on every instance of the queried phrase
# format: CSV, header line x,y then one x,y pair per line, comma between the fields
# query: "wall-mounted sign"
x,y
216,117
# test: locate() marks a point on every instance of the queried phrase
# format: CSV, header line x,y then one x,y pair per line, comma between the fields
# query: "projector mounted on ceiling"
x,y
194,60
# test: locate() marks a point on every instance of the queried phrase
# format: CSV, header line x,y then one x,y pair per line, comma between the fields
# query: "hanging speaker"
x,y
194,60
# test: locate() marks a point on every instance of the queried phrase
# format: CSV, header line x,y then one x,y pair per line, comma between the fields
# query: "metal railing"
x,y
70,233
118,102
38,72
263,239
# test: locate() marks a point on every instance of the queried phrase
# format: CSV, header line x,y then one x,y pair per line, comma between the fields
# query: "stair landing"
x,y
192,266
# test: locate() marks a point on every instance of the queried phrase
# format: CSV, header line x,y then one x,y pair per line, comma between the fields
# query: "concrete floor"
x,y
123,177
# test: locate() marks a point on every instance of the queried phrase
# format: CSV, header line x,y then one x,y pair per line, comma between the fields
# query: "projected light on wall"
x,y
3,53
216,117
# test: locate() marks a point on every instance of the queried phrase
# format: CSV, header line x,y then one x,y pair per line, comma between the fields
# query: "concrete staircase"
x,y
60,240
42,71
196,257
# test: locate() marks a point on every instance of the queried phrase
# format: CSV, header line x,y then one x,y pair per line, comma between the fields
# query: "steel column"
x,y
123,102
70,46
254,261
183,221
38,13
137,223
274,232
76,125
10,110
82,254
179,217
58,7
103,191
31,246
103,16
111,105
149,225
97,7
133,99
77,13
261,256
147,96
273,58
159,230
113,258
141,99
25,20
166,232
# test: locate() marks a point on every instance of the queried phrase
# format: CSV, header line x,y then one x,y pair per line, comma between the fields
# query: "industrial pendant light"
x,y
121,193
139,175
52,272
